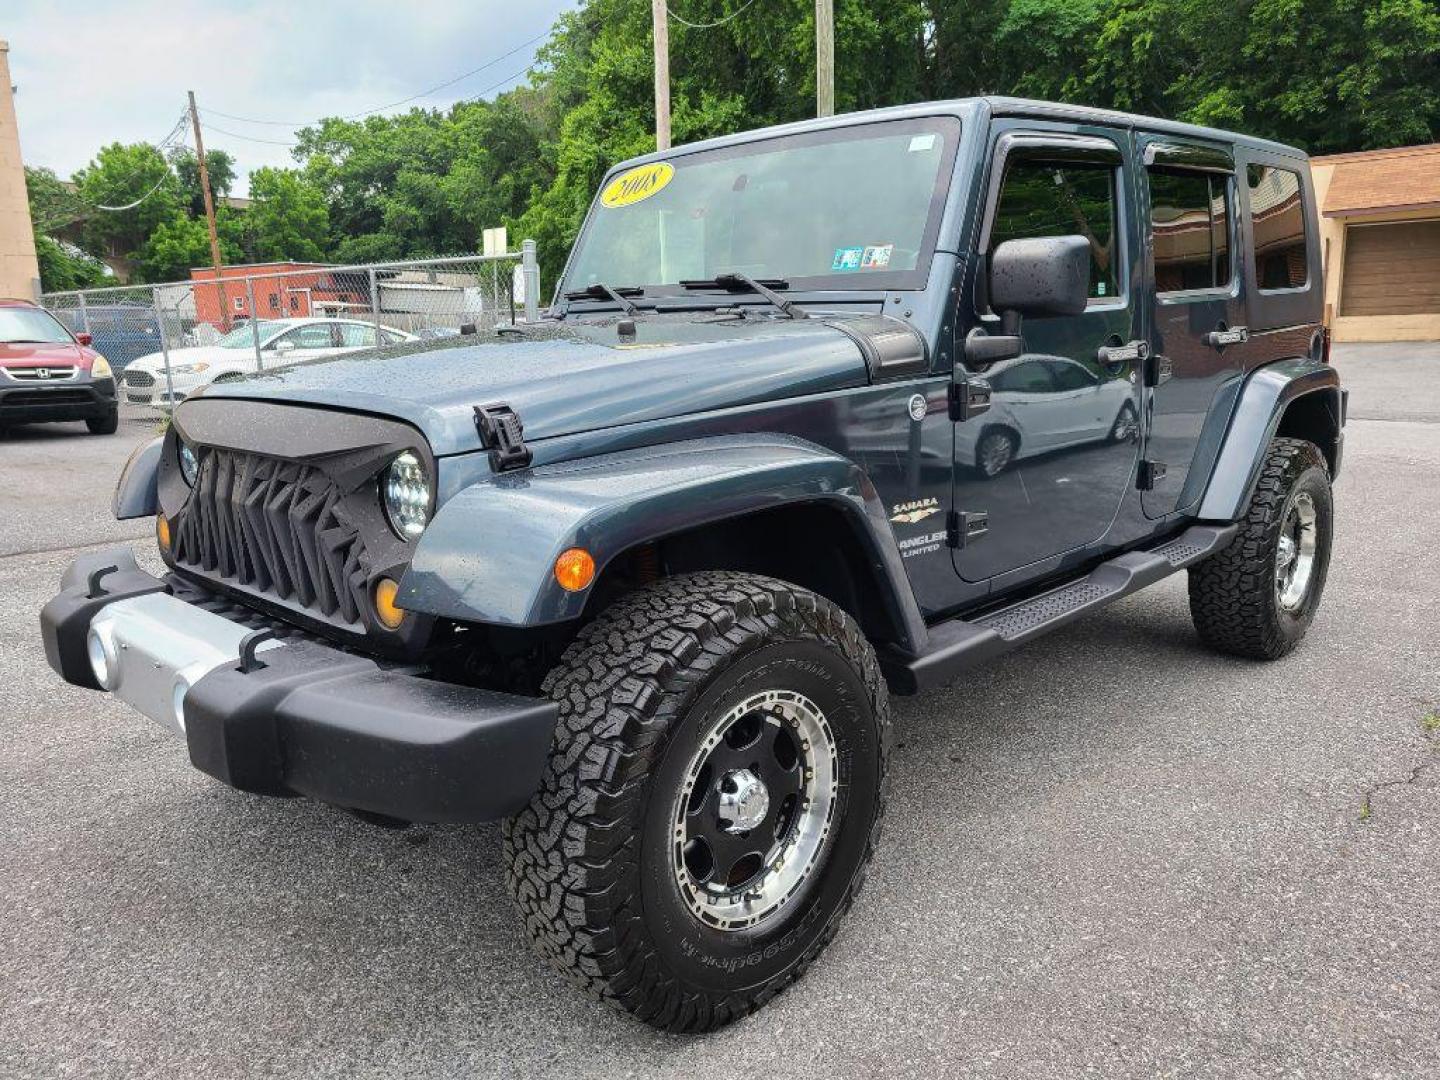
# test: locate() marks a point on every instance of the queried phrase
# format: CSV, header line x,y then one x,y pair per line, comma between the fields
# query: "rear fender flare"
x,y
1264,399
489,554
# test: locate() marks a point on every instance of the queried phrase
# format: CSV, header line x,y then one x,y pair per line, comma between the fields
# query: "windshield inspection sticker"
x,y
636,184
847,259
876,258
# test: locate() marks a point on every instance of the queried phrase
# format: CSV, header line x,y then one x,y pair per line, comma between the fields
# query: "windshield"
x,y
852,207
23,324
243,337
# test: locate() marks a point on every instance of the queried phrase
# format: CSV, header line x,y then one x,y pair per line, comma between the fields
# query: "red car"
x,y
48,373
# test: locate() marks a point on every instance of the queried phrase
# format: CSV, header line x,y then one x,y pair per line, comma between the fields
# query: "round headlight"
x,y
405,492
189,463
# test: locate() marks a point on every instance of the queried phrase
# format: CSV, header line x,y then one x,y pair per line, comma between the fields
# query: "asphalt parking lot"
x,y
1111,853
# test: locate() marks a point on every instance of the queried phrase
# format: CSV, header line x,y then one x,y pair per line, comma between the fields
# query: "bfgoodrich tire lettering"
x,y
1234,598
590,859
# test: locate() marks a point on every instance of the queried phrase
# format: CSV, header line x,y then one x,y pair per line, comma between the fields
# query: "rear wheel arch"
x,y
1314,418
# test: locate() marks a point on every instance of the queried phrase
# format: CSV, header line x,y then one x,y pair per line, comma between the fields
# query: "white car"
x,y
282,342
1041,403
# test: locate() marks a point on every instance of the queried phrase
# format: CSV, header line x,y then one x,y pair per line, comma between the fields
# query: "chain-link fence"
x,y
164,341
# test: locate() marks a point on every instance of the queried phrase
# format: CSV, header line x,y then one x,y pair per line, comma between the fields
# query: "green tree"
x,y
219,164
117,177
287,219
179,245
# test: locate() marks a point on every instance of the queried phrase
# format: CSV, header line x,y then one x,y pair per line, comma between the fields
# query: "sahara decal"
x,y
911,512
636,184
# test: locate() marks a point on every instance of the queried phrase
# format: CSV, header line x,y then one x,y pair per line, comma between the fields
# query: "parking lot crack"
x,y
1430,729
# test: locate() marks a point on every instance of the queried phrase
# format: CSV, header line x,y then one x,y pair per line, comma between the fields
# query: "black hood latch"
x,y
502,433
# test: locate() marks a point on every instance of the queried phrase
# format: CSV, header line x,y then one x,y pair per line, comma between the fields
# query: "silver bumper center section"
x,y
149,650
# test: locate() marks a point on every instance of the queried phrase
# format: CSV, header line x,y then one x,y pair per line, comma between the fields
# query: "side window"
x,y
1050,199
1190,224
1070,376
355,336
313,336
1277,217
391,337
1029,377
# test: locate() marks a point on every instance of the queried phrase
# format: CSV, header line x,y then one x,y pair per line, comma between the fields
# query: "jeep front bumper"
x,y
305,718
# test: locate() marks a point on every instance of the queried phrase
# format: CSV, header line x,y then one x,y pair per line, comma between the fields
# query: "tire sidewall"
x,y
1314,480
725,961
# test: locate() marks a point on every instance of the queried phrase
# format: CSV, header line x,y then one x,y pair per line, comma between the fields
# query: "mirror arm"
x,y
983,350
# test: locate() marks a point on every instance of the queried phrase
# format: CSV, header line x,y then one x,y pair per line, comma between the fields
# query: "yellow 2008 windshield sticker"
x,y
635,184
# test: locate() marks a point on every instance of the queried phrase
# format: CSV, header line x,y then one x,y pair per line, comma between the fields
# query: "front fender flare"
x,y
1267,393
488,556
136,493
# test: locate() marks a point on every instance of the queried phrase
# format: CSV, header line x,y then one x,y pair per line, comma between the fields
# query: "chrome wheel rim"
x,y
995,454
755,809
1295,553
1126,425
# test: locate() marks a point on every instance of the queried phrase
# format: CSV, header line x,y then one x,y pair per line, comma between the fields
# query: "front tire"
x,y
713,797
1257,597
105,425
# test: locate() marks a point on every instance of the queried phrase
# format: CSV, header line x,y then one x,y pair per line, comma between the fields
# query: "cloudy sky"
x,y
100,71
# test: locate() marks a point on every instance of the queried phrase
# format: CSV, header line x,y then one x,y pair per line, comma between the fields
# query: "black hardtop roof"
x,y
972,108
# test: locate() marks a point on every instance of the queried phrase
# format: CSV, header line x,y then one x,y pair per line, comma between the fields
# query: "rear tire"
x,y
614,889
1258,596
106,425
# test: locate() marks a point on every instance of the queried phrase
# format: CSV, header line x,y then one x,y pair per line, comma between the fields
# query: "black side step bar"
x,y
959,644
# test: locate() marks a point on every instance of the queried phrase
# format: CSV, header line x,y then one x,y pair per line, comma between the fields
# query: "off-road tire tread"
x,y
1231,593
572,853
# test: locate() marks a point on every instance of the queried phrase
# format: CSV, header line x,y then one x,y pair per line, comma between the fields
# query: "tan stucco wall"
x,y
1332,240
19,272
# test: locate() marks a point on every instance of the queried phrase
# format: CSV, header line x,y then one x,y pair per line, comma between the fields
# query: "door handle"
x,y
1224,335
1114,354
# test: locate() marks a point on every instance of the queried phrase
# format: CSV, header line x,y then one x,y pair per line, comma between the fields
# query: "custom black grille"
x,y
274,527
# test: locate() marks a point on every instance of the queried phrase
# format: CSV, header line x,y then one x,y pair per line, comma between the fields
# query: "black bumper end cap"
x,y
65,620
341,729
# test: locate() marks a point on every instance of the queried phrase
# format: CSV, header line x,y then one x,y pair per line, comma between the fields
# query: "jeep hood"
x,y
566,378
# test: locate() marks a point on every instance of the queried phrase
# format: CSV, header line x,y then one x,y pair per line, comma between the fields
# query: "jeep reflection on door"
x,y
1041,404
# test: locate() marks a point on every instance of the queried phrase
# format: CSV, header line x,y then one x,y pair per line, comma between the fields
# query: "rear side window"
x,y
1190,223
1040,199
1277,217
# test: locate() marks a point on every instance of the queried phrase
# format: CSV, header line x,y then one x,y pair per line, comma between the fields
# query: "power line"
x,y
709,25
394,104
169,142
249,138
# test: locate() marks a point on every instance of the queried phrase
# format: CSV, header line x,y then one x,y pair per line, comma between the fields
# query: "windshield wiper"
x,y
601,291
745,283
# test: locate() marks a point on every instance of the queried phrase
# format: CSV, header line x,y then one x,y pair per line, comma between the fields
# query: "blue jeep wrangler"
x,y
820,413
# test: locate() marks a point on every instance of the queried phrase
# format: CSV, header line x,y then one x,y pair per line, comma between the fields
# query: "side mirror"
x,y
84,339
1044,277
1041,278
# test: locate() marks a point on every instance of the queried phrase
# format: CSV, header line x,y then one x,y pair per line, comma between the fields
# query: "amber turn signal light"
x,y
162,532
389,615
575,569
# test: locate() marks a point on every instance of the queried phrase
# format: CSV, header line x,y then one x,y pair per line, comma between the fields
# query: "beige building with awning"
x,y
19,272
1380,227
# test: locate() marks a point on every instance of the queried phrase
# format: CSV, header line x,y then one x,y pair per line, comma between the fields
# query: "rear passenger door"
x,y
1197,326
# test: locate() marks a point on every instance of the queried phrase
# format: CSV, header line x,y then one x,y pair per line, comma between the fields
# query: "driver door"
x,y
1038,470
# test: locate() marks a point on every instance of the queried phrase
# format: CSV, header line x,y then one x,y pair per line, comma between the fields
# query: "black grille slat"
x,y
274,527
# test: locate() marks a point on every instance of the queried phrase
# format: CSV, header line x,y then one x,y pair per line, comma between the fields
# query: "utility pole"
x,y
661,18
210,213
824,57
